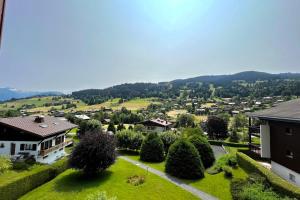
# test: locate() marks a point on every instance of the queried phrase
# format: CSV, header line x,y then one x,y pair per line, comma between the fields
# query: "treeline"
x,y
206,88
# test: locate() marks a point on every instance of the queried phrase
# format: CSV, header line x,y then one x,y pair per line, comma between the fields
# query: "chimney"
x,y
39,119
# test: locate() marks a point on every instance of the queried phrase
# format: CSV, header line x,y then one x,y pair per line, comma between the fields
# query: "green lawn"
x,y
216,185
70,185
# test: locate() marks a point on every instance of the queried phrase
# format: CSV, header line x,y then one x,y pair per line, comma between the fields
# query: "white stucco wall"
x,y
285,173
265,141
49,158
7,144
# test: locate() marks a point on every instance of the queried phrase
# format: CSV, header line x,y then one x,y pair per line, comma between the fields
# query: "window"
x,y
288,131
46,145
2,145
28,147
292,177
59,140
289,154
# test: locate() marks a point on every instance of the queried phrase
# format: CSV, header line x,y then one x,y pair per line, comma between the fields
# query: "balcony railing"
x,y
51,149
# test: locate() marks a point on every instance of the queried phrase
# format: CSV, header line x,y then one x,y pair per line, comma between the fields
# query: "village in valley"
x,y
231,135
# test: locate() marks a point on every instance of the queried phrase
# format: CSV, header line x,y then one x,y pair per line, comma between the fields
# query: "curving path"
x,y
202,195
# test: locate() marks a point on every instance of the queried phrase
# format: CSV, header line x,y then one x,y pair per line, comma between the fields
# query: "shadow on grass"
x,y
76,181
127,152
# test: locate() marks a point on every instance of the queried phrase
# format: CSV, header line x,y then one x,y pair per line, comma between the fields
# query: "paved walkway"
x,y
196,192
218,151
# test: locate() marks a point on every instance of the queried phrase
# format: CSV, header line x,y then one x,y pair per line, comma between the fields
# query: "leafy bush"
x,y
139,128
234,137
254,188
95,152
225,160
216,127
111,127
152,149
100,196
187,132
89,126
136,180
205,151
128,139
20,165
168,138
280,185
30,160
5,164
184,161
120,127
227,171
185,120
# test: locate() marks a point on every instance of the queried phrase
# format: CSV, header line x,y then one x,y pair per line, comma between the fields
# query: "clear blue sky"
x,y
67,45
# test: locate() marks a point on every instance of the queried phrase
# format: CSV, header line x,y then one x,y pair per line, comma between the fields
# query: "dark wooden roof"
x,y
286,111
49,126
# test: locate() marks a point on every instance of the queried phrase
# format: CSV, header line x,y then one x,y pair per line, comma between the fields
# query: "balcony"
x,y
51,149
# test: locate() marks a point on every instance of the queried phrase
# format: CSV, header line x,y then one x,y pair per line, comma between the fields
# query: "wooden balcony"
x,y
54,148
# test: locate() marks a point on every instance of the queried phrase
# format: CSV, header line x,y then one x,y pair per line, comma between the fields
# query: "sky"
x,y
68,45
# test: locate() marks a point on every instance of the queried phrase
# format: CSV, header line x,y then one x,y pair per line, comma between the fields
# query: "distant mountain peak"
x,y
7,93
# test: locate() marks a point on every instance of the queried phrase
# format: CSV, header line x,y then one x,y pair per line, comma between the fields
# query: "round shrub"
x,y
168,138
184,161
205,151
94,153
152,149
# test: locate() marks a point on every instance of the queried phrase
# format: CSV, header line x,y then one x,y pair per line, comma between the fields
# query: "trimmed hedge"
x,y
229,144
184,161
280,185
29,180
152,149
205,151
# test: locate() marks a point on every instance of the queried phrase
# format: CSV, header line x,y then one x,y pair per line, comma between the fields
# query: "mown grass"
x,y
217,185
38,102
133,104
71,185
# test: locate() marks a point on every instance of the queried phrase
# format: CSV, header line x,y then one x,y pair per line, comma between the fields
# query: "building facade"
x,y
42,138
280,139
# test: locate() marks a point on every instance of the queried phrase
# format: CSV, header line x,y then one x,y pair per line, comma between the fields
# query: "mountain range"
x,y
255,83
7,93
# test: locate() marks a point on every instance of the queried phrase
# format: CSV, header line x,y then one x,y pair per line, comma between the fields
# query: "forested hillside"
x,y
256,84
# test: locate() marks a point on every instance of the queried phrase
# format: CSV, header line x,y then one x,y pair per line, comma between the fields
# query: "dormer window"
x,y
288,131
289,154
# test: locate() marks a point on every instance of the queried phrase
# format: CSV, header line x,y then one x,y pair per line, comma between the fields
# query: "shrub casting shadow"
x,y
76,181
127,152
